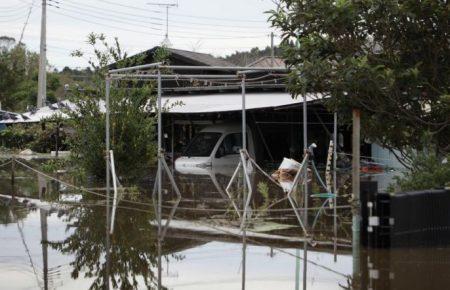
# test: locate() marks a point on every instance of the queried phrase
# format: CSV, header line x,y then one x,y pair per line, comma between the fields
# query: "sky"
x,y
217,27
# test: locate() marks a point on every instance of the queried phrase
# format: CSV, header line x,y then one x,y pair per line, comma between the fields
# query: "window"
x,y
230,144
202,145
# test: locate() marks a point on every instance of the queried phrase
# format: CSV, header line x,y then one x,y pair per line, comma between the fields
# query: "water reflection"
x,y
193,244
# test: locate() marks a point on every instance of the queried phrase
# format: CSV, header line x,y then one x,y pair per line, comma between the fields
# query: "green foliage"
x,y
428,171
19,76
16,137
36,137
131,125
263,189
53,165
391,59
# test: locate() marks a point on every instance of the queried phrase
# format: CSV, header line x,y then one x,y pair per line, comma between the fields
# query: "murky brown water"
x,y
57,239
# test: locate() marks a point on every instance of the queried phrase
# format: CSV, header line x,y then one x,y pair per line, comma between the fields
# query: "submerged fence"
x,y
408,219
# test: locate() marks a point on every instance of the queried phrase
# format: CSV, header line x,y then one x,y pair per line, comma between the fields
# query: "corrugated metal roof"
x,y
210,103
207,103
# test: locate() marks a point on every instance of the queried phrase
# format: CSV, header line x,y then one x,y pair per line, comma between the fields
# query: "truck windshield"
x,y
202,145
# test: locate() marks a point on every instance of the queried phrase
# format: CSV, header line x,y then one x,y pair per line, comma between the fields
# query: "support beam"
x,y
108,190
335,191
159,180
244,188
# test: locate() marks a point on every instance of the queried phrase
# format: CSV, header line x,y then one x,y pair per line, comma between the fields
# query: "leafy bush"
x,y
427,172
16,137
131,126
32,136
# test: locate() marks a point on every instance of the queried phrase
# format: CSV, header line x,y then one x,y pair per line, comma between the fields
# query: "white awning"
x,y
212,103
209,103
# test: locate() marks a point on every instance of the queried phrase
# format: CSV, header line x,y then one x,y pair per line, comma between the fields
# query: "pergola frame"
x,y
240,74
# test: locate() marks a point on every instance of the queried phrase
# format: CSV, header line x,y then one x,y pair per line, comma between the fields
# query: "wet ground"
x,y
55,237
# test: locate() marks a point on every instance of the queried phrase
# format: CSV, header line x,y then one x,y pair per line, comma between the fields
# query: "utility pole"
x,y
272,51
166,42
42,78
356,167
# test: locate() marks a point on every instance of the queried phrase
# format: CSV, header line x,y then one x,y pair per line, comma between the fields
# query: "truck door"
x,y
227,153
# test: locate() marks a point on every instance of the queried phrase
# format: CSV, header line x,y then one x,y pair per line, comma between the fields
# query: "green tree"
x,y
132,125
427,171
388,58
19,76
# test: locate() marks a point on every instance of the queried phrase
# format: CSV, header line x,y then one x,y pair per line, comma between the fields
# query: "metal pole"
x,y
159,178
57,139
272,51
335,132
356,218
305,147
297,269
13,177
244,195
137,67
172,148
42,77
44,242
244,117
107,142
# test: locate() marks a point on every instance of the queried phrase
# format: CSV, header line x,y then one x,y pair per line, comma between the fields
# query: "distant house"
x,y
180,57
268,61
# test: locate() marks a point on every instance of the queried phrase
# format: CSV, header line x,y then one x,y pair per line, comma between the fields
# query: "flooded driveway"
x,y
56,237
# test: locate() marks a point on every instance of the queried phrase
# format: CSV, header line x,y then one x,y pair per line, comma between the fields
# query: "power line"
x,y
95,9
120,13
101,12
197,36
6,8
191,16
149,33
131,7
26,22
14,13
185,15
109,19
12,19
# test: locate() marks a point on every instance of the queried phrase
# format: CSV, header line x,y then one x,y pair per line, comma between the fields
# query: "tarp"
x,y
37,115
208,103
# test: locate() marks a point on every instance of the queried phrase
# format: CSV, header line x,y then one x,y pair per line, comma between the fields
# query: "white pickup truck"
x,y
215,146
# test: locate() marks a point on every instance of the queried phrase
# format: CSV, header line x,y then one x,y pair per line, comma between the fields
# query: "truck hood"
x,y
185,163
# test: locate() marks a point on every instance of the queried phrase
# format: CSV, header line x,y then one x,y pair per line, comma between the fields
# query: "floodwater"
x,y
56,237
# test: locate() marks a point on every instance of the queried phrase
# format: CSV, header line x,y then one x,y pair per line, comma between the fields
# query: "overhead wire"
x,y
149,33
26,22
121,14
178,14
133,23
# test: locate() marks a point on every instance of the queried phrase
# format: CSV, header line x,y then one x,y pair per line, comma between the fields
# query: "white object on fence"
x,y
114,178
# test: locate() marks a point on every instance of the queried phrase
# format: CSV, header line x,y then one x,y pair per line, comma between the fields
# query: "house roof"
x,y
201,58
266,61
182,57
